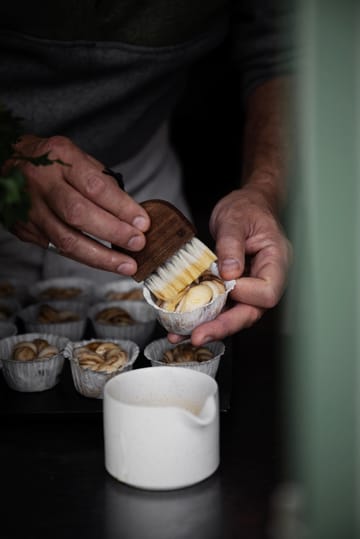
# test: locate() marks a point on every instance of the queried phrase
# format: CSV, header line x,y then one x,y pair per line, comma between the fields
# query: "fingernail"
x,y
229,264
140,223
207,339
125,268
136,242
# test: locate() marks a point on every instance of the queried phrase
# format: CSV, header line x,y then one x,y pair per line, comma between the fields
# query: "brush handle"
x,y
170,230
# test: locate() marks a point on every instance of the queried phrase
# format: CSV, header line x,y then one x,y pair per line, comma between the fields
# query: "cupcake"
x,y
93,362
32,362
133,320
197,303
205,358
63,289
119,290
67,318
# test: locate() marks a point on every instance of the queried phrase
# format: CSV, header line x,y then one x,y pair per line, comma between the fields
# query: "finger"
x,y
29,232
84,174
77,246
88,178
85,216
267,281
227,323
230,250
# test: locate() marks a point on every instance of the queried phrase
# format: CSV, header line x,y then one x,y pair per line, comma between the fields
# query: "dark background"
x,y
207,132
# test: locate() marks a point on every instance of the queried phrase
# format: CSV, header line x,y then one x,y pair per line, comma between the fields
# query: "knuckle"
x,y
67,244
94,185
270,298
57,143
74,213
254,315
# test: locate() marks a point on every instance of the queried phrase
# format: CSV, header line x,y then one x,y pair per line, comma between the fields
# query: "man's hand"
x,y
71,200
245,228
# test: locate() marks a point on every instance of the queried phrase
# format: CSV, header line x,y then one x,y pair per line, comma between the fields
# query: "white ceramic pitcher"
x,y
161,427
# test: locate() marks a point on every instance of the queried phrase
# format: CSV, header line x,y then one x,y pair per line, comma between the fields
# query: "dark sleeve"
x,y
263,40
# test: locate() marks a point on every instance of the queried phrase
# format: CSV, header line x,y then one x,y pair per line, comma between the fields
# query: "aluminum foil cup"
x,y
8,309
154,352
140,311
185,323
73,330
120,287
7,329
35,375
86,287
90,383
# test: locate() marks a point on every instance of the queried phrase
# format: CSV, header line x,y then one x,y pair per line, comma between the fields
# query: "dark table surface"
x,y
54,483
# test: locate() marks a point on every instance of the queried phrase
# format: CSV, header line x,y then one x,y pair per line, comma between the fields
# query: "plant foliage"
x,y
14,200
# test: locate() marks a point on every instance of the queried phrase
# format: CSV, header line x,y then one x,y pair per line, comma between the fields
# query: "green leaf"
x,y
14,200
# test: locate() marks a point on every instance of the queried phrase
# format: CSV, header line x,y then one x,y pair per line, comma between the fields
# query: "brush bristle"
x,y
180,270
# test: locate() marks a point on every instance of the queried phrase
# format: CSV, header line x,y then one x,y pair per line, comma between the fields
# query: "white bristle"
x,y
180,270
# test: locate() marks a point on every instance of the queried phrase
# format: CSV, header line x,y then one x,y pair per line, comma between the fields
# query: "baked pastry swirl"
x,y
187,352
133,294
200,292
35,349
55,292
101,356
50,315
115,316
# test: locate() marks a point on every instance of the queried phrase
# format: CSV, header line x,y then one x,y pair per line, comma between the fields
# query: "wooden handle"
x,y
169,231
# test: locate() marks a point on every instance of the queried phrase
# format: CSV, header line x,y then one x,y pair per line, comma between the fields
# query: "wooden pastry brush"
x,y
173,257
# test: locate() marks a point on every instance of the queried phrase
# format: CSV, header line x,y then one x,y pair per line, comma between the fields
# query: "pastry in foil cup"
x,y
72,329
121,289
63,289
183,323
140,331
154,352
32,375
90,383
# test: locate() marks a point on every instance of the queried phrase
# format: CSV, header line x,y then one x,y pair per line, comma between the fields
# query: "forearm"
x,y
266,147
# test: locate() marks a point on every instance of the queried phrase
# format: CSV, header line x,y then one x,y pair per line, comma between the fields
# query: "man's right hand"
x,y
71,200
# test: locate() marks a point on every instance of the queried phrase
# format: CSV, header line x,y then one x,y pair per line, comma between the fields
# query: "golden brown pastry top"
x,y
35,349
115,316
200,292
101,356
187,352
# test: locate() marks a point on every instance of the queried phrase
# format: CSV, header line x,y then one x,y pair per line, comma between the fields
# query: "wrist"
x,y
269,186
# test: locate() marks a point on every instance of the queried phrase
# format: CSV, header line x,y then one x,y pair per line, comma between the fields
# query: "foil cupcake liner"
x,y
140,311
185,323
73,330
36,375
7,329
121,285
85,285
155,350
90,383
